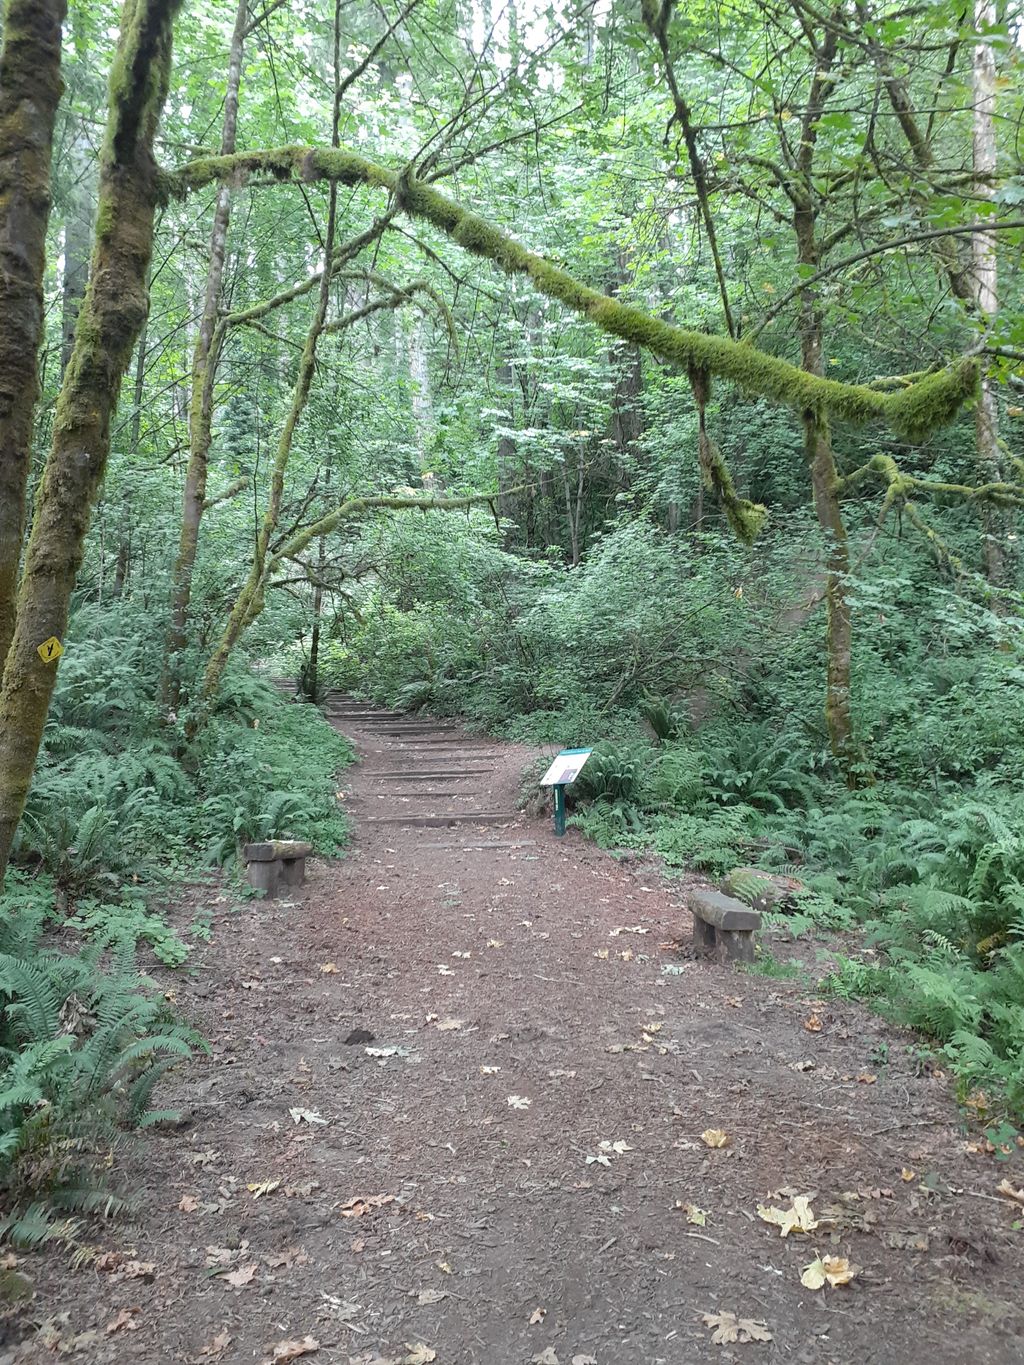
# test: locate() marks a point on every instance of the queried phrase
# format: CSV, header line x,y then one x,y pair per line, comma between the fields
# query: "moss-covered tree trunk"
x,y
205,357
112,314
30,91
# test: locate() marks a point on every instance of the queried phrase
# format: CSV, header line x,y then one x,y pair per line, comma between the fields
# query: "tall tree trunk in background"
x,y
984,279
421,398
205,357
506,452
112,315
30,91
124,515
818,449
77,245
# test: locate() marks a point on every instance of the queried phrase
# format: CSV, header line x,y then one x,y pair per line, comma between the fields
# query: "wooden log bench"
x,y
723,928
276,865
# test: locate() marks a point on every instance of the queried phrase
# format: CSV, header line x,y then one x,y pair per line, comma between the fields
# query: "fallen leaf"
x,y
602,1159
714,1137
833,1270
419,1354
518,1102
627,956
259,1188
1010,1191
620,1148
125,1319
489,1070
306,1116
801,1066
908,1175
463,955
189,1203
291,1350
444,1267
331,968
495,943
698,1217
545,1357
238,1279
356,1208
538,1315
446,1025
584,1360
812,1024
729,1328
603,954
429,1296
798,1218
628,929
218,1345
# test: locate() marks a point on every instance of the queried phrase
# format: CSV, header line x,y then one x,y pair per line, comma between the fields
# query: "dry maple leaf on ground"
x,y
832,1270
1010,1191
714,1137
729,1328
419,1354
238,1279
291,1350
799,1218
356,1208
219,1344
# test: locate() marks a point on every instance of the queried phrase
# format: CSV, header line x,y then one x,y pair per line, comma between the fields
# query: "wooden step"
x,y
427,775
434,821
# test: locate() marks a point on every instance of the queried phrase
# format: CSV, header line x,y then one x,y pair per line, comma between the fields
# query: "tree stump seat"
x,y
276,865
723,928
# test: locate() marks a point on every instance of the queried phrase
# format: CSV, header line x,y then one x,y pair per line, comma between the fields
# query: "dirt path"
x,y
455,1103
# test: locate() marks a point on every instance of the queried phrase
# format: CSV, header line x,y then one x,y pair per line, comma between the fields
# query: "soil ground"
x,y
453,1112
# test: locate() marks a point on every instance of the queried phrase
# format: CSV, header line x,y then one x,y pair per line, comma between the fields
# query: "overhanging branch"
x,y
913,412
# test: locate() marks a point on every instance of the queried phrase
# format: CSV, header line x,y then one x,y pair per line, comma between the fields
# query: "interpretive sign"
x,y
565,769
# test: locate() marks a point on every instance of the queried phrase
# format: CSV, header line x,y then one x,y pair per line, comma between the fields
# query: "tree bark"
x,y
984,282
205,357
111,318
30,91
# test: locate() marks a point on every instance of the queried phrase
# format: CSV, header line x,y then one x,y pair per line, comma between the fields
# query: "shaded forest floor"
x,y
454,1111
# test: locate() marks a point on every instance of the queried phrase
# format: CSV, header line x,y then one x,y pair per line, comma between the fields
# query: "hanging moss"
x,y
913,412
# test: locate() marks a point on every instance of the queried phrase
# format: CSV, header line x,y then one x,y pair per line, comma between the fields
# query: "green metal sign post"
x,y
565,769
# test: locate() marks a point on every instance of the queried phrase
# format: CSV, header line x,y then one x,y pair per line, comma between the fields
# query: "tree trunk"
x,y
77,245
112,315
30,90
984,280
205,357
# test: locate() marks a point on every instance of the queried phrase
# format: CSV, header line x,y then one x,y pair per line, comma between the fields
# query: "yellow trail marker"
x,y
50,650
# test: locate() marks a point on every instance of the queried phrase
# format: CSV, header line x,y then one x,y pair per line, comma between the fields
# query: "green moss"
x,y
913,412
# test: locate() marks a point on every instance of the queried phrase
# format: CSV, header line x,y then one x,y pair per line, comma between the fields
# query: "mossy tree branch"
x,y
913,413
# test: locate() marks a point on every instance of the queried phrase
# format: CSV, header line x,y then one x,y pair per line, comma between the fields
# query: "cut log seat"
x,y
276,864
723,928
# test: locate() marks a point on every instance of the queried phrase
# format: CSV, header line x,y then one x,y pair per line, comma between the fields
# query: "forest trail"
x,y
454,1110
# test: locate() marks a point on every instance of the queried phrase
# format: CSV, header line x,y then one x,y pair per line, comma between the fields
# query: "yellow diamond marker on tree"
x,y
50,650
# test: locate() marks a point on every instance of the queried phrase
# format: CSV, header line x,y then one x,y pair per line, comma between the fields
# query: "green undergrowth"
x,y
122,813
934,889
